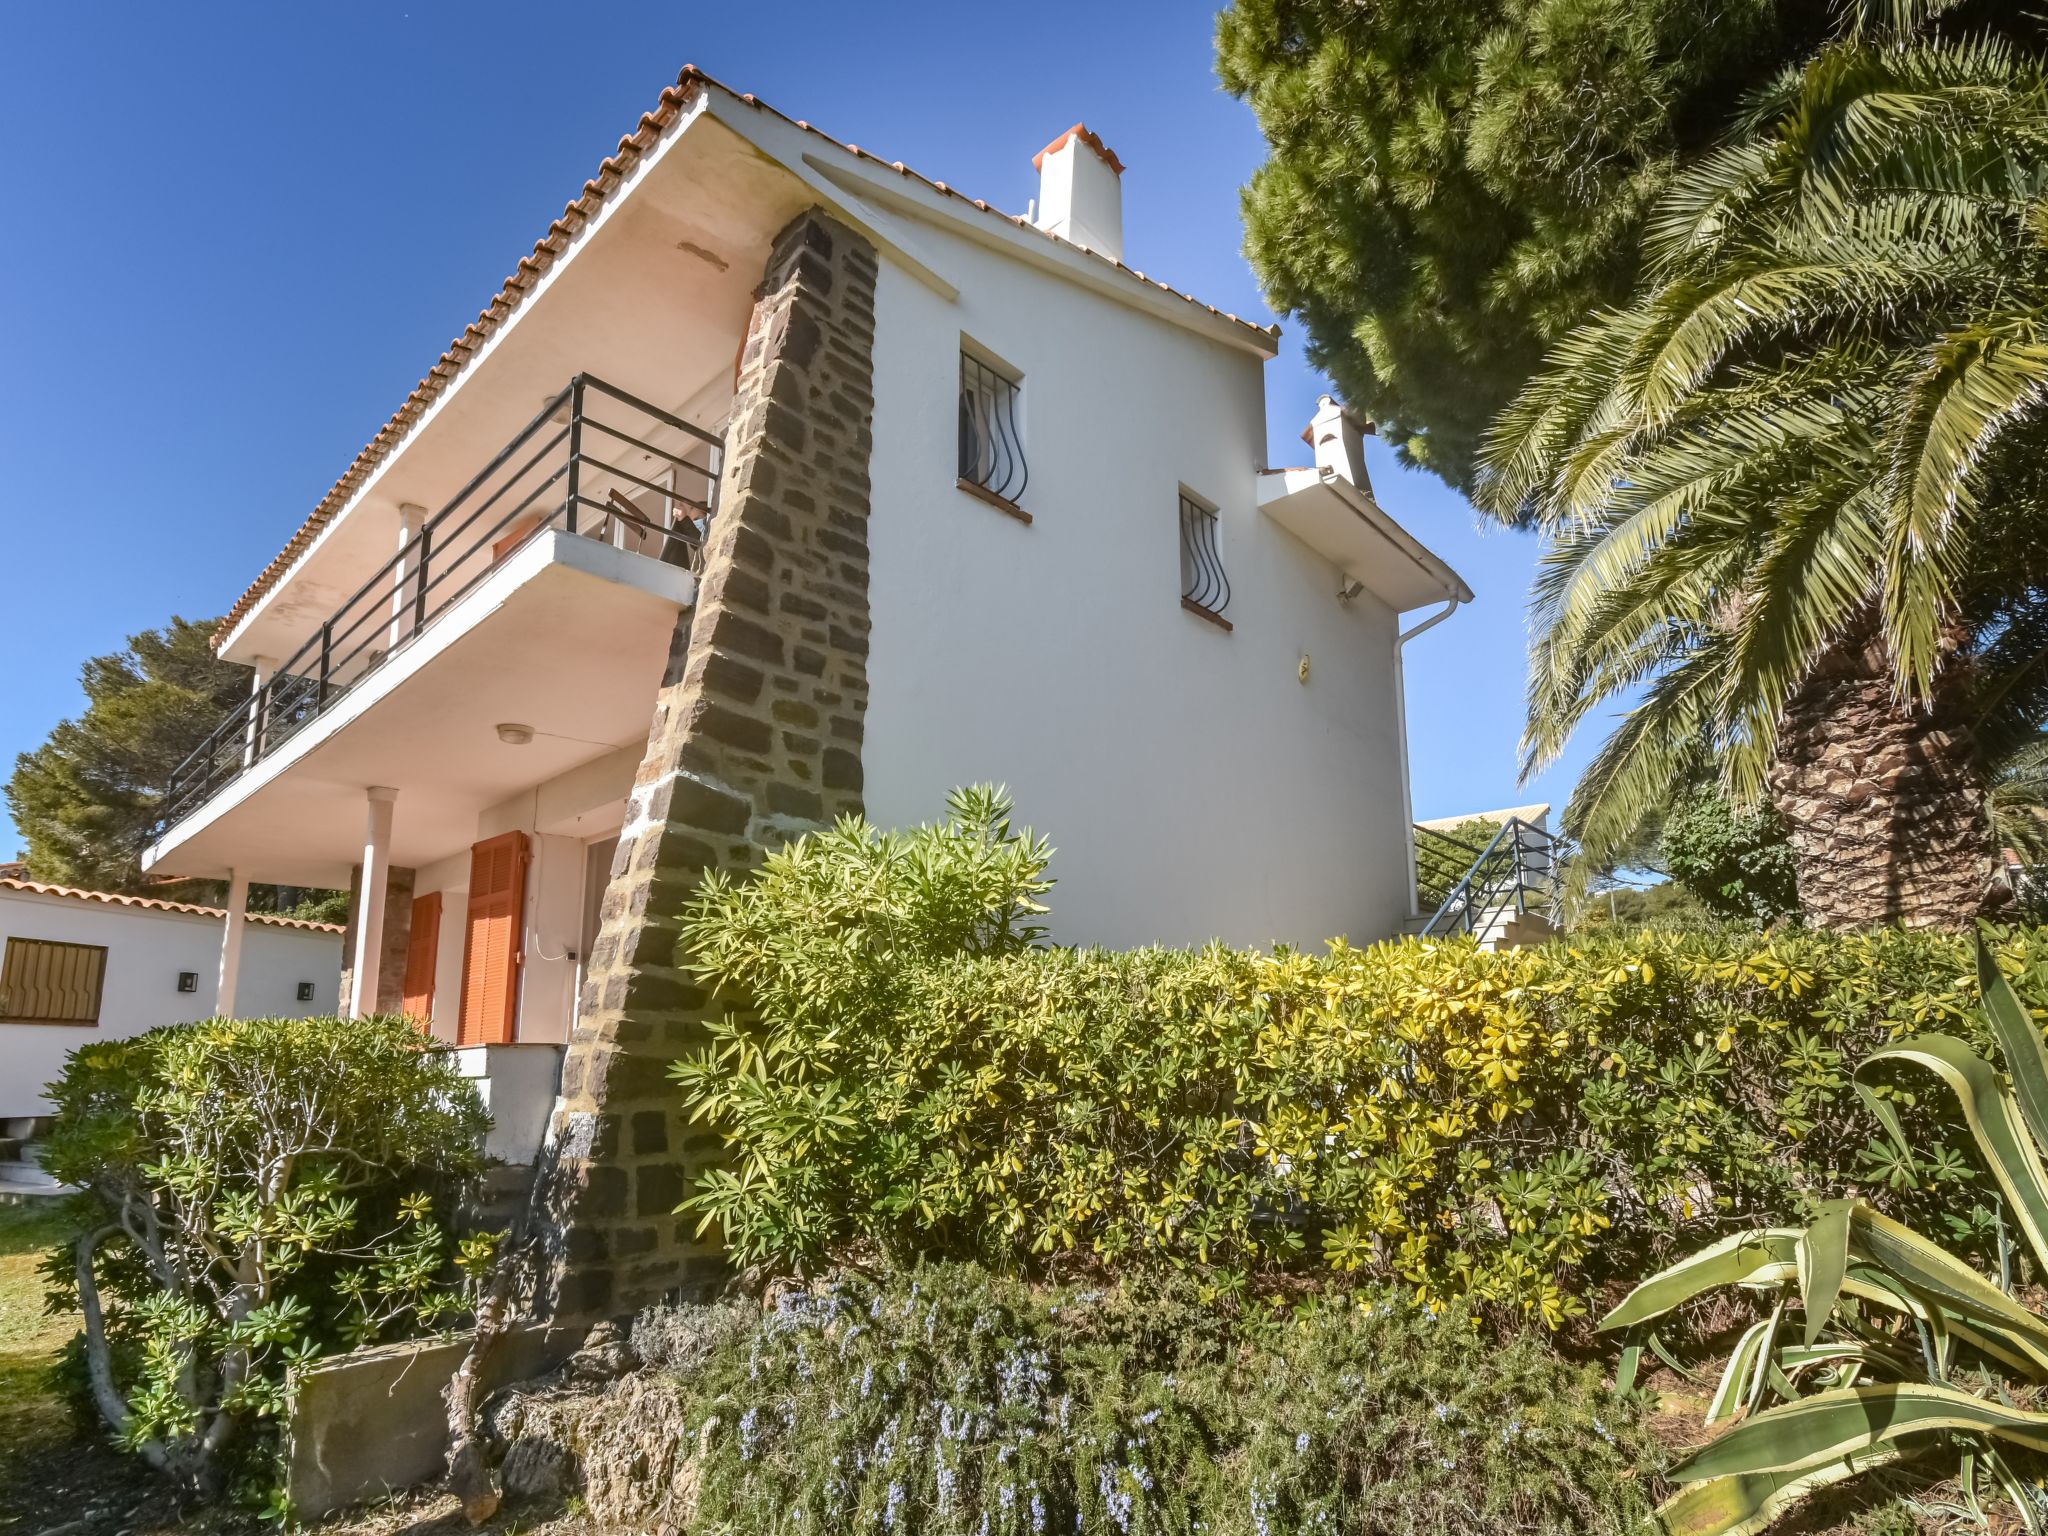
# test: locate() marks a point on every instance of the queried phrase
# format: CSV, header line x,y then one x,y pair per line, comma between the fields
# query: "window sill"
x,y
1000,503
1206,613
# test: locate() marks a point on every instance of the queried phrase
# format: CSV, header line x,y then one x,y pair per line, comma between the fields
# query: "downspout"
x,y
1401,723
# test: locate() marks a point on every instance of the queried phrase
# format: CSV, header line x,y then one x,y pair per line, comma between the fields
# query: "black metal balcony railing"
x,y
595,462
1472,888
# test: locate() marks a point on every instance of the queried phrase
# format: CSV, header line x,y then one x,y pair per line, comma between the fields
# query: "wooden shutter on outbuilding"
x,y
422,943
493,940
46,981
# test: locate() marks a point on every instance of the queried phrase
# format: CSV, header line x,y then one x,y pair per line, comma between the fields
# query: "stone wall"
x,y
756,739
397,936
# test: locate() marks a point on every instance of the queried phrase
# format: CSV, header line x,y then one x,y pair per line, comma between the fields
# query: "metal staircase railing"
x,y
1474,889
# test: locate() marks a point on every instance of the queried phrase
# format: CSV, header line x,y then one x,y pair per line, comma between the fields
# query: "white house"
x,y
78,966
1082,578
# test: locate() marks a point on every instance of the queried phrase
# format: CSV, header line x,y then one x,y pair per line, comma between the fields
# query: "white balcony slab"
x,y
568,636
1349,529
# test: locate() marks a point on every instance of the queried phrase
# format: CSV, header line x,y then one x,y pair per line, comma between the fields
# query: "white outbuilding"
x,y
78,966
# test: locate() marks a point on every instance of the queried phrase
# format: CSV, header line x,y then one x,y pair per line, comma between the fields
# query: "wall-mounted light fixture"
x,y
305,991
188,981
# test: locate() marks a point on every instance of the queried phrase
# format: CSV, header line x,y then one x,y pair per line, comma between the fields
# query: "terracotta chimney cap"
x,y
1087,136
1323,404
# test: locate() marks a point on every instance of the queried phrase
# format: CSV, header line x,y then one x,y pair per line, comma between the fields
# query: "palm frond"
x,y
1971,386
1818,410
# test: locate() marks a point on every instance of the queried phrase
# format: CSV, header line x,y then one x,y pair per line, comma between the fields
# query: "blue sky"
x,y
240,234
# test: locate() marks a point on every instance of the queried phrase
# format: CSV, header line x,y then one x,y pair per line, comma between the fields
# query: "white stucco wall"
x,y
561,817
146,949
1193,786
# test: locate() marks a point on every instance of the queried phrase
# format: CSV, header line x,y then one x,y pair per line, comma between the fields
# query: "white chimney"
x,y
1080,195
1338,438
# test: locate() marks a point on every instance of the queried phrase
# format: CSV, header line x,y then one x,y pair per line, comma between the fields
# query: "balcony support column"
x,y
231,944
252,737
406,573
367,961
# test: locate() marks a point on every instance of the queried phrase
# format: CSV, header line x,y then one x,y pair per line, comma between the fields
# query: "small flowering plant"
x,y
946,1402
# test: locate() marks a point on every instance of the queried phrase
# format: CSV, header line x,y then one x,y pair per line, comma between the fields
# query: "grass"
x,y
31,1414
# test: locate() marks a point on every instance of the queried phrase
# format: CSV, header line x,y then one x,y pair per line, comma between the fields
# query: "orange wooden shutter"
x,y
492,944
421,944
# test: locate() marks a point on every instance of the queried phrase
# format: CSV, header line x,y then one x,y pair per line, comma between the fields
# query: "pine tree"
x,y
1454,184
86,799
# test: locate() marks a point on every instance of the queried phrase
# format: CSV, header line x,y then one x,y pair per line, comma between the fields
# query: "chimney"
x,y
1080,197
1338,438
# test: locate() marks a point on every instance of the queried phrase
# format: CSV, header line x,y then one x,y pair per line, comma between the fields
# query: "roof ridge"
x,y
158,904
577,214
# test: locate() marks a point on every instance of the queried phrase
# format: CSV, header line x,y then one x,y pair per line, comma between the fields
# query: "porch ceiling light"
x,y
515,735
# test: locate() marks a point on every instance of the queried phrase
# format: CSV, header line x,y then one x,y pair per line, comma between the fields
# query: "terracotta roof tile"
x,y
579,212
116,899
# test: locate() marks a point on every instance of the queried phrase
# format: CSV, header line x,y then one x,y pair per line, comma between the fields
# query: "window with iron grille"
x,y
43,981
1203,585
991,447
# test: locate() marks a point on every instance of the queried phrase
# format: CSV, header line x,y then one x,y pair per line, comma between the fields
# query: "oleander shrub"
x,y
914,1071
949,1402
262,1192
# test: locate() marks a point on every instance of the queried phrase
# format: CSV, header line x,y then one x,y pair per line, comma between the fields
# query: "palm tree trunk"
x,y
1885,805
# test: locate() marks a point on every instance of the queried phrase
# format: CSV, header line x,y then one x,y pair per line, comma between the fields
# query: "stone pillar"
x,y
366,955
756,739
397,935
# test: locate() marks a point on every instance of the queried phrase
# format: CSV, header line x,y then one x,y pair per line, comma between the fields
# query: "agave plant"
x,y
1879,1345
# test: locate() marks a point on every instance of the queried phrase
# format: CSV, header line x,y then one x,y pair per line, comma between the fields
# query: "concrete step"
x,y
24,1176
1521,931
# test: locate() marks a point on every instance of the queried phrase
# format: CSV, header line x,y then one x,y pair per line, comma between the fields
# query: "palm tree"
x,y
1792,495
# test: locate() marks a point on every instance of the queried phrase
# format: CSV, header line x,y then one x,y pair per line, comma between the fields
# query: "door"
x,y
420,947
493,940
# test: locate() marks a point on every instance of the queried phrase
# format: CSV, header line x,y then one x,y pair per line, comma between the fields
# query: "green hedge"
x,y
1496,1131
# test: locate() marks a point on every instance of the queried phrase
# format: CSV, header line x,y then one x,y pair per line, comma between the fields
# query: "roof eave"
x,y
1282,484
927,198
931,204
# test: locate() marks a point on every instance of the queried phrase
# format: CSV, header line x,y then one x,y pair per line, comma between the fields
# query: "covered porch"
x,y
469,793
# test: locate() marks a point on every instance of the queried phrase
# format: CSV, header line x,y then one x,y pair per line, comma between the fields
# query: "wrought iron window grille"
x,y
1203,584
991,446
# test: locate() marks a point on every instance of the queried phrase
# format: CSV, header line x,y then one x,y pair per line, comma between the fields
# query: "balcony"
x,y
597,467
